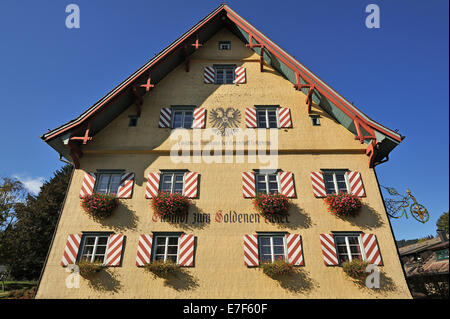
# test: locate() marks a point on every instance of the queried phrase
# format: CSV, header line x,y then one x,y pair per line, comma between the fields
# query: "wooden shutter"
x,y
287,184
294,249
250,117
152,185
87,188
114,250
71,250
199,118
190,185
329,250
209,75
318,184
165,117
356,184
144,251
284,117
126,186
240,75
186,250
251,255
371,249
248,184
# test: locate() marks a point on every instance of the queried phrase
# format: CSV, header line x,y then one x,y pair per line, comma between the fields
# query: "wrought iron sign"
x,y
397,207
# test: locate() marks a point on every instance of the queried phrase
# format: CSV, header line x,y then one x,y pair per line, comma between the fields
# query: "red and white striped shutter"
x,y
240,75
251,255
87,188
329,250
250,117
144,250
318,184
126,186
152,185
356,184
209,75
71,250
186,254
190,187
114,250
287,184
199,118
371,249
248,184
165,117
294,249
284,116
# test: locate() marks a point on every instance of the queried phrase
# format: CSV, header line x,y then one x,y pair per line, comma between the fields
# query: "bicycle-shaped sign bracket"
x,y
397,207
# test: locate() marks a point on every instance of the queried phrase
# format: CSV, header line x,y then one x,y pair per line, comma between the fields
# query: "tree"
x,y
11,193
25,244
442,222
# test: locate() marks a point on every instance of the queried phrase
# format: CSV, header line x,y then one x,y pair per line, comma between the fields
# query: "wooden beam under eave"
x,y
75,153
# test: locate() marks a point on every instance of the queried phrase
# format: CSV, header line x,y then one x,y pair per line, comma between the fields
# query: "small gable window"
x,y
182,116
224,74
224,45
133,121
315,120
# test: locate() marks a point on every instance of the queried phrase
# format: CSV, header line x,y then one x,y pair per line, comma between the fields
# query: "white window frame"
x,y
272,254
183,110
315,118
166,246
110,173
347,244
266,110
336,188
172,180
226,44
266,181
95,246
224,77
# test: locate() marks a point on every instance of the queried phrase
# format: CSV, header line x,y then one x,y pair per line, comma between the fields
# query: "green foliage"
x,y
25,293
269,205
167,204
162,268
99,206
88,269
356,269
25,243
11,193
277,268
442,222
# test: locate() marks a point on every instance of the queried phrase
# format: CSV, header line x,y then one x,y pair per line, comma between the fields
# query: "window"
x,y
133,121
348,247
172,182
94,247
315,120
224,45
166,248
267,183
224,74
271,248
108,183
182,117
267,117
336,181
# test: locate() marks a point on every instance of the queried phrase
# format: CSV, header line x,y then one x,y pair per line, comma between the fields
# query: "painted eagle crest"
x,y
223,119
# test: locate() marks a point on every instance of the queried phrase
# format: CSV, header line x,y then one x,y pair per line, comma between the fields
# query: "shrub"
x,y
99,206
87,269
25,293
277,268
356,269
162,268
269,205
166,204
343,204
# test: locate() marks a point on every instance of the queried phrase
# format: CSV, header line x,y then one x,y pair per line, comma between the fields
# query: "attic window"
x,y
133,121
315,120
224,45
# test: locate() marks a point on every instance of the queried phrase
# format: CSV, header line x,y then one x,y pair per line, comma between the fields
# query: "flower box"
x,y
276,268
270,205
99,206
343,204
88,269
356,269
162,268
166,204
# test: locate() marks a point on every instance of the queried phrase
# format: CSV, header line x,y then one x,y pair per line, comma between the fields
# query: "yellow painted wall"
x,y
219,270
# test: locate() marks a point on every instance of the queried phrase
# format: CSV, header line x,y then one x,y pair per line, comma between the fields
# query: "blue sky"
x,y
398,74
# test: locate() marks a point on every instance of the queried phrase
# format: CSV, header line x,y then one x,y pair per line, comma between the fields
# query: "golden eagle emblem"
x,y
223,119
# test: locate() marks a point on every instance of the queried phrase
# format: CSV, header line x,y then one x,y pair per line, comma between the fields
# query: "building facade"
x,y
167,128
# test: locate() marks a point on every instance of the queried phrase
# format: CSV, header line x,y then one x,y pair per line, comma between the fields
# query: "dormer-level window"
x,y
267,117
182,116
224,45
224,74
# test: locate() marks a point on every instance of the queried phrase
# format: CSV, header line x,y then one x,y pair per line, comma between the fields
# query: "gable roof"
x,y
122,96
